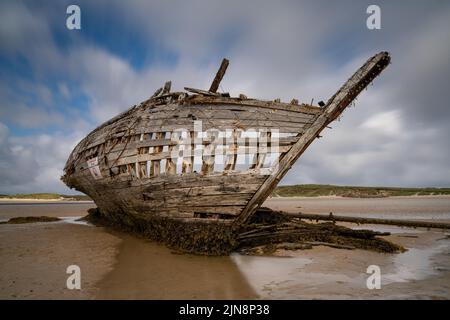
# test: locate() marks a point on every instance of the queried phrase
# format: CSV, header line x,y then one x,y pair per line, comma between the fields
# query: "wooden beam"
x,y
335,106
362,220
166,88
219,75
202,92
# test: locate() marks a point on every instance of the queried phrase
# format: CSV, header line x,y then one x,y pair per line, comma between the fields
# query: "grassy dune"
x,y
300,190
45,196
315,190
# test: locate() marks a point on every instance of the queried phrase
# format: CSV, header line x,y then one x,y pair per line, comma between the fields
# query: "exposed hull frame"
x,y
127,165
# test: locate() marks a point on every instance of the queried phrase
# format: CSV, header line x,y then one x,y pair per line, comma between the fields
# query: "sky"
x,y
56,84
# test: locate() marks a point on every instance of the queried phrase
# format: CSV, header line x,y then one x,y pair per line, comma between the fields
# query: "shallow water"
x,y
52,209
147,270
409,208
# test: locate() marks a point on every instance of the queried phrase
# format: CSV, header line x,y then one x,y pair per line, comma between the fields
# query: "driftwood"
x,y
269,230
360,220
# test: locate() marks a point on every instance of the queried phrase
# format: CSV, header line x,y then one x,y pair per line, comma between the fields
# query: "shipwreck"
x,y
182,160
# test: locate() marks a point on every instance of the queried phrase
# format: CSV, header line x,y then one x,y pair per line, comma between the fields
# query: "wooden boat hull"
x,y
203,156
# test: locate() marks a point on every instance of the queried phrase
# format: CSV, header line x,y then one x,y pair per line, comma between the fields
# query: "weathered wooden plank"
x,y
186,124
132,156
244,141
260,157
198,201
223,112
219,75
201,92
231,159
228,112
166,88
160,192
203,110
231,210
188,162
303,108
171,166
208,154
155,167
182,181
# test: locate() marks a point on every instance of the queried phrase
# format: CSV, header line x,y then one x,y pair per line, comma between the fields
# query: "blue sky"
x,y
58,84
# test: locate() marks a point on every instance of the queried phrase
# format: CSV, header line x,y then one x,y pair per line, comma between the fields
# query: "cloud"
x,y
385,122
396,135
34,163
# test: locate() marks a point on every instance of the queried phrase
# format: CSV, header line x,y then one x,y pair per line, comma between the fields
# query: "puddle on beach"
x,y
75,220
383,228
416,264
329,273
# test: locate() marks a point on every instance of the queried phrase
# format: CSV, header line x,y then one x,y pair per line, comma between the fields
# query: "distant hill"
x,y
315,190
46,196
299,190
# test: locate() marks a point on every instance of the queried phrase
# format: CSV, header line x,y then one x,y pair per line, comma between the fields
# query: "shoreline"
x,y
329,197
30,200
116,265
431,196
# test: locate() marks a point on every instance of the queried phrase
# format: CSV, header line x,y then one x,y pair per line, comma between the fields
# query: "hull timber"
x,y
152,161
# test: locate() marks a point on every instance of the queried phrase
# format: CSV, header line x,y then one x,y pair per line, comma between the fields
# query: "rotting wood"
x,y
230,163
171,165
155,164
361,220
217,237
219,76
201,92
209,153
130,182
166,88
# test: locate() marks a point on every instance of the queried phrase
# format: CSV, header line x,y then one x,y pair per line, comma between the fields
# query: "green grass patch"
x,y
45,196
316,190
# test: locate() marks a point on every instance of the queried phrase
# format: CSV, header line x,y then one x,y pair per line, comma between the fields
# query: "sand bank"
x,y
34,258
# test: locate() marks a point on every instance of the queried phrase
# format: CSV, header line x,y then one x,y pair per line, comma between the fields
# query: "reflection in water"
x,y
266,274
146,270
414,264
10,210
75,220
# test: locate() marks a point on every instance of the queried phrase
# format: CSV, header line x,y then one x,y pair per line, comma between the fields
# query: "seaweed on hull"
x,y
264,233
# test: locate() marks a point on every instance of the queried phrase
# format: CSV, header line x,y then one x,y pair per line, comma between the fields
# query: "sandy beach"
x,y
34,258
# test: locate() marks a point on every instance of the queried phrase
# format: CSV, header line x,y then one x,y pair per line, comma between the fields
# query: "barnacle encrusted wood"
x,y
201,156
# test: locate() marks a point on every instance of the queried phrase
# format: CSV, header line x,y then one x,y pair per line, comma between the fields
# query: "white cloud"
x,y
397,134
385,122
35,163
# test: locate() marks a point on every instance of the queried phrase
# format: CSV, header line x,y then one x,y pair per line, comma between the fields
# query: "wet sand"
x,y
424,208
146,270
34,258
26,208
